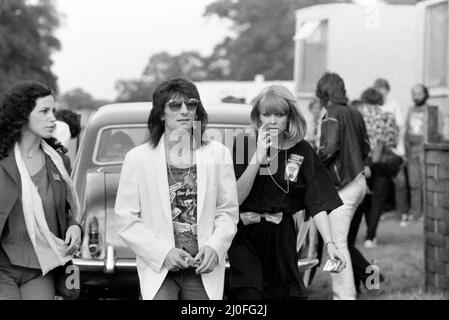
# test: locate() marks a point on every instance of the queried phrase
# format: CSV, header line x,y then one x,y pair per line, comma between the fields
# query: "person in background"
x,y
68,126
62,133
39,204
416,130
177,200
279,177
359,262
344,147
317,111
73,120
381,128
401,188
119,143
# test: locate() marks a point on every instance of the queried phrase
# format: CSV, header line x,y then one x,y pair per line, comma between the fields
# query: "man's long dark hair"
x,y
164,92
15,110
331,89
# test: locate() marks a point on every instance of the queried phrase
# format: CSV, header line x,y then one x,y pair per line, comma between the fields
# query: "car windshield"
x,y
114,143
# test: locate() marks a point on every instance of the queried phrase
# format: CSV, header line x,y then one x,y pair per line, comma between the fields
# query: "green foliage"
x,y
27,41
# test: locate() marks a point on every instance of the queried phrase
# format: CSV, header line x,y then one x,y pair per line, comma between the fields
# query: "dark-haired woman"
x,y
38,230
271,189
177,200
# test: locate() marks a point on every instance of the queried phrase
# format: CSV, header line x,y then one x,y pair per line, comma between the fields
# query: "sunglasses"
x,y
176,104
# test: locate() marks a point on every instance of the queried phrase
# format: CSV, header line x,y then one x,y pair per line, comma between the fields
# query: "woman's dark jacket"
x,y
10,192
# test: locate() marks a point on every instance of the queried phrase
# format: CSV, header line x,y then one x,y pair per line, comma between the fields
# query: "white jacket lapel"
x,y
201,178
162,179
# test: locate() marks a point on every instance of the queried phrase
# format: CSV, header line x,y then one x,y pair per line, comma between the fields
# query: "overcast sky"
x,y
106,40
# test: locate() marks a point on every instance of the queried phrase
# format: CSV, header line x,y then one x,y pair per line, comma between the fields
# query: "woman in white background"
x,y
177,200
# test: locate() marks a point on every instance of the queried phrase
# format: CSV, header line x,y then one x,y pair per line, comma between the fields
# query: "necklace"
x,y
272,178
188,173
173,178
279,149
275,155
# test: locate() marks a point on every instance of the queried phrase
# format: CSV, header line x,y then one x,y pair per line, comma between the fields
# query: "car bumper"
x,y
113,272
129,265
120,265
111,264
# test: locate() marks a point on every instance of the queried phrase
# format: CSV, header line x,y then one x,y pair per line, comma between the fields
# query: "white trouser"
x,y
352,194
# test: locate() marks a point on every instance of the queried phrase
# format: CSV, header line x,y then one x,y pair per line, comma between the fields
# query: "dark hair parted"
x,y
372,96
15,110
162,94
331,89
72,119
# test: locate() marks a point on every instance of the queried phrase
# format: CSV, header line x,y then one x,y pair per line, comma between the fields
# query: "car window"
x,y
114,143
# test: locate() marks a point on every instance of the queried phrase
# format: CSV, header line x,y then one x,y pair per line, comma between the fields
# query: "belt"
x,y
253,217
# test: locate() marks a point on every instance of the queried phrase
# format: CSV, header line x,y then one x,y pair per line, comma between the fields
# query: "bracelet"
x,y
330,242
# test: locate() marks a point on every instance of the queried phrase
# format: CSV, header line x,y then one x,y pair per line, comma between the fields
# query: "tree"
x,y
134,90
78,99
162,66
192,66
263,42
27,41
263,45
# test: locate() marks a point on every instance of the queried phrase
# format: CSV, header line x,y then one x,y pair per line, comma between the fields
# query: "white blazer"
x,y
144,211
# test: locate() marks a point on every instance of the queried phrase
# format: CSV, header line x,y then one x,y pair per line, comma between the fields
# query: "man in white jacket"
x,y
177,200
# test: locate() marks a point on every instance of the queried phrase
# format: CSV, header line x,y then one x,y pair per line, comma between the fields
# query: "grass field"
x,y
399,255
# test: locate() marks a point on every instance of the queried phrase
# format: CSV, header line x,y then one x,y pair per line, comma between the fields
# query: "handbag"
x,y
386,160
67,281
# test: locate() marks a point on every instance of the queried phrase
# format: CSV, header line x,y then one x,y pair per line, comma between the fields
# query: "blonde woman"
x,y
281,177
